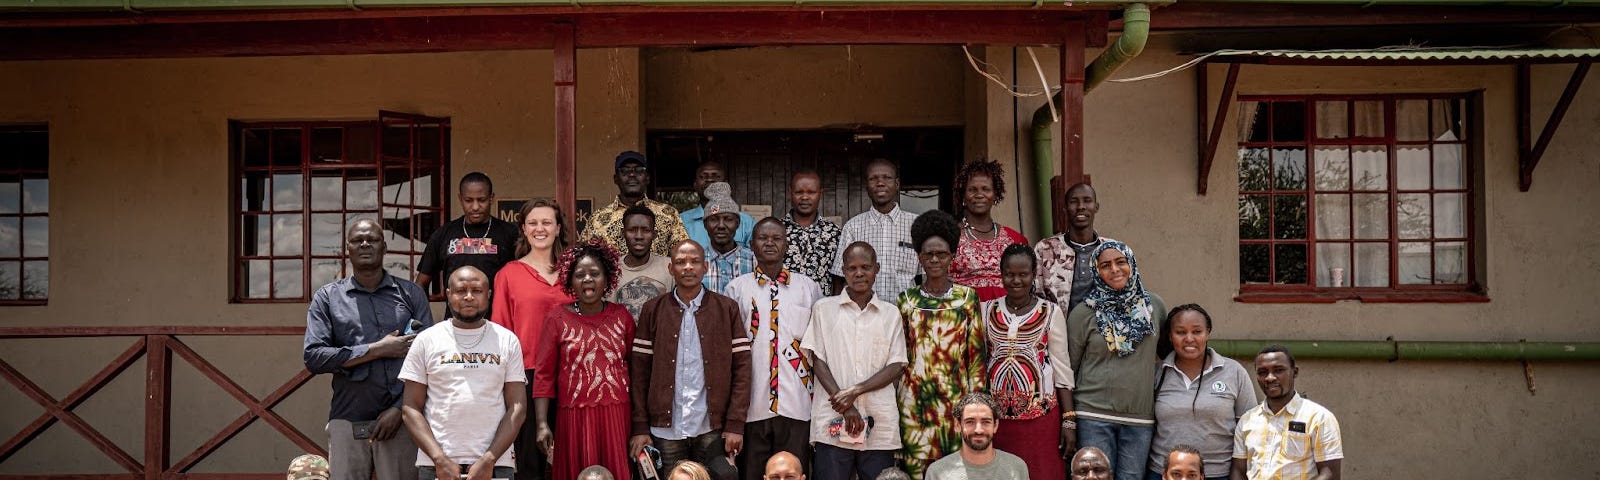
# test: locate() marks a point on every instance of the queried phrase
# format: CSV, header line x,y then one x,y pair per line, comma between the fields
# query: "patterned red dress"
x,y
977,261
583,364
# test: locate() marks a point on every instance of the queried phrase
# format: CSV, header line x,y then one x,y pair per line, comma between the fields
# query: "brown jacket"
x,y
723,345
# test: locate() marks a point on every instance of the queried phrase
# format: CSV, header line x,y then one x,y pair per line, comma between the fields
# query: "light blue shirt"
x,y
722,268
694,222
689,411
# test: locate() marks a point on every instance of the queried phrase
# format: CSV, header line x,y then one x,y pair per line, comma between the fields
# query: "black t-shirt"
x,y
456,245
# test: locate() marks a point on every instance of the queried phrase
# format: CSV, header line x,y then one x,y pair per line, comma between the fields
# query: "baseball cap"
x,y
630,156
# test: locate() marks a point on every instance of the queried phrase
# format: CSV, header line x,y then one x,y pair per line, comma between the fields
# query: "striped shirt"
x,y
722,268
1287,445
890,237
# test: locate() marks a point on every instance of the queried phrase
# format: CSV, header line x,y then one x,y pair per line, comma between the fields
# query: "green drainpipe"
x,y
1394,350
1135,32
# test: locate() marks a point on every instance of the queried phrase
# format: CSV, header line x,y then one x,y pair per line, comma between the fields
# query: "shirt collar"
x,y
693,304
1213,363
713,254
1291,409
762,278
692,214
845,301
386,282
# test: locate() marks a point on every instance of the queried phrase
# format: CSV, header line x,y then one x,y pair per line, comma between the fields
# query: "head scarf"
x,y
1122,316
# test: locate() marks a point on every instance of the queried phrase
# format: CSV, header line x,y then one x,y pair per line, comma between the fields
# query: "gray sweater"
x,y
1005,466
1112,388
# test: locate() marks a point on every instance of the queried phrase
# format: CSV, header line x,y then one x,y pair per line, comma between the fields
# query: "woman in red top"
x,y
583,366
976,264
525,291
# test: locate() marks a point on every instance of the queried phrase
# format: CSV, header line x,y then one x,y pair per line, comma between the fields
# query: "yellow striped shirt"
x,y
1287,445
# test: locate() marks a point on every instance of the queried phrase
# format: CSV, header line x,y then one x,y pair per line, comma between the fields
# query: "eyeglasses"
x,y
635,171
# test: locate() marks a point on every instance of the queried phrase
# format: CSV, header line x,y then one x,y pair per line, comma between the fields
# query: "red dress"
x,y
522,297
583,364
976,263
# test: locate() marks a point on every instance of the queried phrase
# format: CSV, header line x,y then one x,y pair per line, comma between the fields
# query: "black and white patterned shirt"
x,y
890,237
811,249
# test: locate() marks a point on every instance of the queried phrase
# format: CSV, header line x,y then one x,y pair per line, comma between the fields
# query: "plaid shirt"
x,y
722,268
890,236
1287,445
811,249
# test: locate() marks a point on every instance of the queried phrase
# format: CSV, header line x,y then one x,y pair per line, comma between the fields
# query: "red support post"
x,y
1072,79
566,84
157,397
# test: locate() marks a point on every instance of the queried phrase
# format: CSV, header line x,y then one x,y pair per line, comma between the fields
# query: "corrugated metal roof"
x,y
1420,54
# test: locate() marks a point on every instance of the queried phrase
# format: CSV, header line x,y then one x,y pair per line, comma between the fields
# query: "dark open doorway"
x,y
759,163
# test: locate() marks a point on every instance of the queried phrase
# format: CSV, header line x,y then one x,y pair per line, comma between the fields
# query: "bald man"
x,y
1090,463
466,390
596,472
784,466
358,332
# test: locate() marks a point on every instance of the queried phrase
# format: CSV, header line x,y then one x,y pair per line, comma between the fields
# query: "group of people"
x,y
715,343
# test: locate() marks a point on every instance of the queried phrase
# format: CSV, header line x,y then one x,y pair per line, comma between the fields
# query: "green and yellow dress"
x,y
945,348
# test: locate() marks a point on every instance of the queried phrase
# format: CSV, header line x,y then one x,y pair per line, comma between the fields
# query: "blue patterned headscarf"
x,y
1122,316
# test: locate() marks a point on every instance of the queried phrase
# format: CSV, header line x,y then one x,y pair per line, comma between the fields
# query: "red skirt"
x,y
591,436
1037,442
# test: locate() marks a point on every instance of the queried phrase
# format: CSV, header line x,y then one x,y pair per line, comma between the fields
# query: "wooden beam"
x,y
1072,82
255,407
1202,106
1550,126
72,400
53,408
157,397
566,85
1189,16
62,332
1209,153
238,425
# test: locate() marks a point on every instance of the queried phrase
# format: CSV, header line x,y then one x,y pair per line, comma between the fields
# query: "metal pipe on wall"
x,y
1396,350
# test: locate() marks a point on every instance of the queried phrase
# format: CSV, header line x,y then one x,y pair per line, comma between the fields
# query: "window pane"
x,y
400,265
396,143
1411,120
10,280
1253,266
10,237
254,149
288,278
1289,216
1450,263
1289,168
36,195
399,187
1254,171
1411,168
360,143
1448,167
33,152
1416,263
1414,215
430,143
1291,267
1253,121
361,190
1288,121
1333,168
327,191
1333,264
1447,120
10,195
254,231
1371,168
36,237
402,237
253,191
1372,265
1369,118
327,145
287,231
286,147
1371,215
327,234
36,280
258,278
288,193
1333,217
1253,216
1332,119
1449,215
323,272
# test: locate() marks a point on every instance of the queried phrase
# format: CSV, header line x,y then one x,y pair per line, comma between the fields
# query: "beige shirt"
x,y
856,343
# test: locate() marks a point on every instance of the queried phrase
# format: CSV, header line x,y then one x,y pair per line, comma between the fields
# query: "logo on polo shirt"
x,y
1219,387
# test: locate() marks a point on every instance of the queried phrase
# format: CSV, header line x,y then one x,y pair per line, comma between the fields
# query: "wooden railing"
x,y
156,345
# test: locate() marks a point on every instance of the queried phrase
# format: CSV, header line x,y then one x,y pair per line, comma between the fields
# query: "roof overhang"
x,y
1406,56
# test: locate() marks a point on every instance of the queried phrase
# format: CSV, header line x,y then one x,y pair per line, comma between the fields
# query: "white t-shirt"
x,y
639,284
466,372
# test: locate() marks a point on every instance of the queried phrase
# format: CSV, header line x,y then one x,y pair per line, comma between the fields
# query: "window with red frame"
x,y
1356,193
24,215
301,184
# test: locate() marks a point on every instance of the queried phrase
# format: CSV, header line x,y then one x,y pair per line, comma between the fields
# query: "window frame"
x,y
1471,148
22,173
380,163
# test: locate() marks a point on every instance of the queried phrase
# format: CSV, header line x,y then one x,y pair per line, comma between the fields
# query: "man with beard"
x,y
644,273
466,394
978,459
1286,436
358,330
474,239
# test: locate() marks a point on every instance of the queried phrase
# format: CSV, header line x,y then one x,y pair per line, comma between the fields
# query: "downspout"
x,y
1135,32
1395,350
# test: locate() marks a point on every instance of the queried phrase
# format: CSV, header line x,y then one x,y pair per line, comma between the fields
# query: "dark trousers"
x,y
707,449
531,462
429,473
834,463
765,438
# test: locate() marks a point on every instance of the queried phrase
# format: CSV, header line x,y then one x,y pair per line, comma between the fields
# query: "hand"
x,y
844,399
393,345
446,470
853,423
732,442
636,444
546,439
1069,442
481,469
388,425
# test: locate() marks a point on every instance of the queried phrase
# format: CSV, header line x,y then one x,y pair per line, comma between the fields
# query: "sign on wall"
x,y
506,210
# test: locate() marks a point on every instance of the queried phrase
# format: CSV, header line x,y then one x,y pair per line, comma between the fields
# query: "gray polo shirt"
x,y
1200,413
1005,466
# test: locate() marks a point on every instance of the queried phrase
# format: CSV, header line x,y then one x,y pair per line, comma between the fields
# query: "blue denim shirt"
x,y
689,390
343,318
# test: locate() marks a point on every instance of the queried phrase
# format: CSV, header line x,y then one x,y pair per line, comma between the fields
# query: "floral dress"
x,y
976,263
945,349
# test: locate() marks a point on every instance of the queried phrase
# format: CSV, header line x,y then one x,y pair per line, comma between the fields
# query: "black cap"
x,y
631,156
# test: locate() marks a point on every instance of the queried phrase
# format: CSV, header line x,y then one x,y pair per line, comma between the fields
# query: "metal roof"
x,y
1410,55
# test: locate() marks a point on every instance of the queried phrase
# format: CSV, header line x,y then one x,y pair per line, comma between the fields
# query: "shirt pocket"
x,y
1296,445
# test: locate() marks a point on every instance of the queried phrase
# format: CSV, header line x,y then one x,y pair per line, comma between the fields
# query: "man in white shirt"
x,y
472,371
777,303
858,347
887,228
